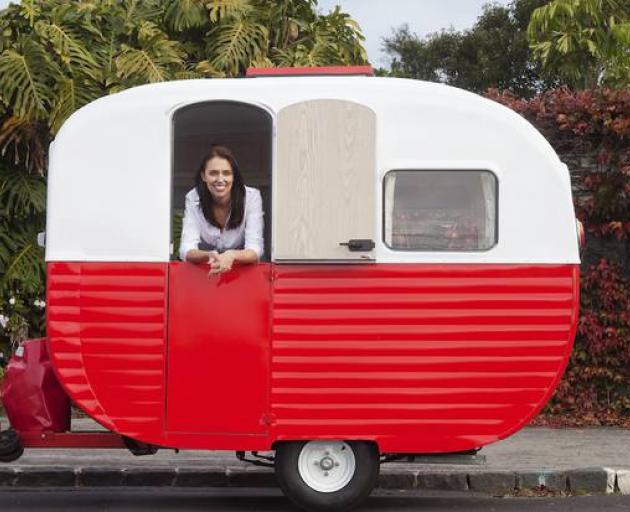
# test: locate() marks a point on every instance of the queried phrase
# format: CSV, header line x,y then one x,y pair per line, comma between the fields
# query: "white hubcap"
x,y
326,466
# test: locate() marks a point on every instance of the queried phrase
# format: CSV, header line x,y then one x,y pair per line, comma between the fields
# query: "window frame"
x,y
445,170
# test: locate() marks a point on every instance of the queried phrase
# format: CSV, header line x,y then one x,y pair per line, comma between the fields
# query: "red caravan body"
x,y
420,351
420,358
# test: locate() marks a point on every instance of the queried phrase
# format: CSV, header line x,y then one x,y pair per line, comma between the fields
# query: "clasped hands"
x,y
220,263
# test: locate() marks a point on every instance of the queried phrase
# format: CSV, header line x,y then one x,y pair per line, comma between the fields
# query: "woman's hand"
x,y
220,263
212,256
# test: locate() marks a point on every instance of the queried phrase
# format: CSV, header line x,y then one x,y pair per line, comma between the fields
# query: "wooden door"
x,y
325,181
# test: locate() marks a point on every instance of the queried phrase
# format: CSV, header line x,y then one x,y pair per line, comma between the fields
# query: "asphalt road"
x,y
238,500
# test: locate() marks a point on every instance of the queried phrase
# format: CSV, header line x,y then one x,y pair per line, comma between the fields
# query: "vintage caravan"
x,y
417,294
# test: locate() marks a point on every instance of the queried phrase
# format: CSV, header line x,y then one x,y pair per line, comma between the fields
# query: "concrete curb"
x,y
597,480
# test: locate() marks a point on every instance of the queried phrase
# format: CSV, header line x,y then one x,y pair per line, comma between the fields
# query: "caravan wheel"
x,y
327,475
10,447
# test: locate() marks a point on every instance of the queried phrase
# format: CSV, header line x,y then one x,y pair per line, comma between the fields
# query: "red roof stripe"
x,y
309,71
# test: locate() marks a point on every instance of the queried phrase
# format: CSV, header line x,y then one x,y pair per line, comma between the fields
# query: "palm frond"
x,y
26,265
186,14
311,40
139,64
156,60
343,34
22,195
70,95
234,43
262,61
68,47
106,47
204,68
147,31
21,260
30,10
221,9
314,52
283,58
24,71
10,24
134,10
187,74
319,54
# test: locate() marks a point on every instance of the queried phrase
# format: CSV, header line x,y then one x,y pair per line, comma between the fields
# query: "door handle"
x,y
359,245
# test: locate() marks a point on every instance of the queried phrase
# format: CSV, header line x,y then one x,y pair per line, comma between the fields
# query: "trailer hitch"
x,y
266,461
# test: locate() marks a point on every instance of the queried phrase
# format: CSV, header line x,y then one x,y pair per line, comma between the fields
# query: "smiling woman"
x,y
218,148
223,219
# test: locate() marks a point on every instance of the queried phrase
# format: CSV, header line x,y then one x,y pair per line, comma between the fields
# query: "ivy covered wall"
x,y
590,130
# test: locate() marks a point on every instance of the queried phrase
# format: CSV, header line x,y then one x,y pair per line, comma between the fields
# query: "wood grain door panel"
x,y
325,180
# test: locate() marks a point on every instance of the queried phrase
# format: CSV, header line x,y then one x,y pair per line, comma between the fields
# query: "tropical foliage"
x,y
526,47
58,55
493,53
22,199
586,42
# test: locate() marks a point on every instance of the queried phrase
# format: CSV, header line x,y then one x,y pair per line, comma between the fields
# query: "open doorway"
x,y
244,128
218,326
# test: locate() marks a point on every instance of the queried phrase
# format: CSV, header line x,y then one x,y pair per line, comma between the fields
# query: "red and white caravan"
x,y
418,293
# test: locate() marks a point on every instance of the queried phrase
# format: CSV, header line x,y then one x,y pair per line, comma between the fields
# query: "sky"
x,y
379,17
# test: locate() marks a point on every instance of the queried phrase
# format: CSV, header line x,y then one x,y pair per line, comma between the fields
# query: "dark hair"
x,y
237,194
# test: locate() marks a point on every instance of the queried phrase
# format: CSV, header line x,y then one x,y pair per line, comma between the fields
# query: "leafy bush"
x,y
21,316
588,122
583,41
22,204
596,386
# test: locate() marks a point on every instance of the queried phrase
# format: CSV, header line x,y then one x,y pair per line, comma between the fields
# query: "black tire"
x,y
11,456
10,446
304,496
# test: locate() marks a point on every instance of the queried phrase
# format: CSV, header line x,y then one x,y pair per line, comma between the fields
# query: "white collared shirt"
x,y
197,230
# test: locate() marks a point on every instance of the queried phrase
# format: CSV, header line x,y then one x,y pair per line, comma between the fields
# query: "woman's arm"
x,y
254,224
254,243
224,261
191,236
199,256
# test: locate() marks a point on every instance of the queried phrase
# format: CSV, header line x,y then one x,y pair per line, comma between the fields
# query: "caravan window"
x,y
440,210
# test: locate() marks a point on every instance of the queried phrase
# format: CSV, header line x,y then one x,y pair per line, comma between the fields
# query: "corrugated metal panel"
x,y
218,350
420,357
106,331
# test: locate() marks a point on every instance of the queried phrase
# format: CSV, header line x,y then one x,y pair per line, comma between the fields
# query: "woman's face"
x,y
219,178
